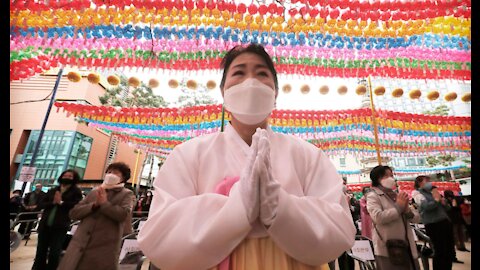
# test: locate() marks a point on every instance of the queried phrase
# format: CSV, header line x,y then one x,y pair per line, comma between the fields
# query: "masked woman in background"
x,y
247,198
103,214
55,221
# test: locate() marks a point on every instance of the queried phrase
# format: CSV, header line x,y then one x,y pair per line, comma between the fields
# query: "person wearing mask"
x,y
15,203
455,214
147,202
103,214
139,206
431,206
55,221
366,220
247,198
391,218
31,204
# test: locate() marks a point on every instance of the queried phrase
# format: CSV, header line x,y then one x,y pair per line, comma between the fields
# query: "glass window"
x,y
401,163
342,162
411,162
421,161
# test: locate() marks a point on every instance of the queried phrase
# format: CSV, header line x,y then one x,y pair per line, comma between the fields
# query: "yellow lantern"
x,y
153,83
361,90
74,76
433,95
467,97
451,96
305,89
415,94
93,78
342,90
398,92
113,80
324,89
379,90
287,88
133,81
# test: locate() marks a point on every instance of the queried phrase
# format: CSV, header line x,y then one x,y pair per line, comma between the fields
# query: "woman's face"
x,y
117,173
245,66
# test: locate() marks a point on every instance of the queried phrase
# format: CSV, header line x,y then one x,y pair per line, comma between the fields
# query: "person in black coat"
x,y
55,221
31,203
15,203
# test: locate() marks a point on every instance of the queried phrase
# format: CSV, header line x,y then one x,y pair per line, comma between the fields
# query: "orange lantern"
x,y
211,84
397,92
153,83
305,89
192,84
133,81
415,94
324,89
173,83
467,97
93,78
433,95
74,76
379,90
451,96
287,88
361,90
342,90
113,80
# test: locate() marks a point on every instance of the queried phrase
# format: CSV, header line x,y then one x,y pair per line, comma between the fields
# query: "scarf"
x,y
105,186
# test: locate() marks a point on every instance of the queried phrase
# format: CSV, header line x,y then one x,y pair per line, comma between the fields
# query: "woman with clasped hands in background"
x,y
247,198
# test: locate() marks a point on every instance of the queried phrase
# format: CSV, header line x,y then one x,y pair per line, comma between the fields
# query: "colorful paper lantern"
x,y
324,89
287,88
173,83
433,95
467,97
361,90
451,96
133,81
415,94
305,89
397,92
342,90
93,78
74,76
153,83
211,84
113,80
379,90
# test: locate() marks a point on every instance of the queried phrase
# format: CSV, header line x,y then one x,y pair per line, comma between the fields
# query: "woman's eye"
x,y
237,73
263,73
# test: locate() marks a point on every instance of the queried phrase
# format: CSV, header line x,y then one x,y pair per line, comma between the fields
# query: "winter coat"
x,y
70,198
97,241
388,221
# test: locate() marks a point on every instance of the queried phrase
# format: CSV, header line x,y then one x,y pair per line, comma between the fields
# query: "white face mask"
x,y
388,183
111,179
250,102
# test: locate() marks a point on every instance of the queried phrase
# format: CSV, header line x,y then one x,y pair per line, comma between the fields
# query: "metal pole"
x,y
37,144
134,179
374,122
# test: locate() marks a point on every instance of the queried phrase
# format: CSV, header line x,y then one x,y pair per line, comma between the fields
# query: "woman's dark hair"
x,y
365,190
377,173
388,168
123,168
419,179
448,193
76,176
251,48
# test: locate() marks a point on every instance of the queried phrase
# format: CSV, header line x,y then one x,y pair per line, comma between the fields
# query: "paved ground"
x,y
22,257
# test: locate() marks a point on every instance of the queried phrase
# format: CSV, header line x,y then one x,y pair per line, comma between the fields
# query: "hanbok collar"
x,y
232,133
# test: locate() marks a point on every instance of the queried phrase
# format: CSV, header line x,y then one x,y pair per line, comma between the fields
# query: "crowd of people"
x,y
244,198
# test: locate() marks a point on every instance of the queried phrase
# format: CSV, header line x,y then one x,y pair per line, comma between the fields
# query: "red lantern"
x,y
334,13
241,8
252,9
262,9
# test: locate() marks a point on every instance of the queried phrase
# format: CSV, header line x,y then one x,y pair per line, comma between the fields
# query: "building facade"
x,y
66,143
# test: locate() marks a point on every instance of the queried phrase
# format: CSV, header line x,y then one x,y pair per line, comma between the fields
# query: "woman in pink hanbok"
x,y
365,219
247,198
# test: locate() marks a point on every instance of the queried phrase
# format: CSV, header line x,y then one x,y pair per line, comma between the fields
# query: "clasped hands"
x,y
259,189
